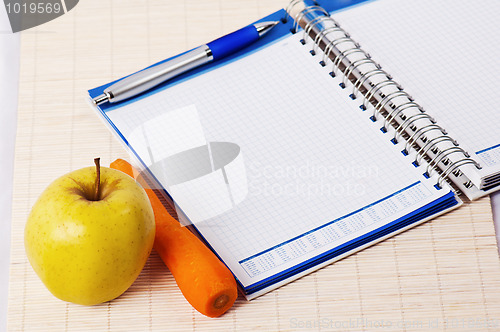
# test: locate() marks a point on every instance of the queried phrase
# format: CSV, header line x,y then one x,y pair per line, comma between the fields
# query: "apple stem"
x,y
97,179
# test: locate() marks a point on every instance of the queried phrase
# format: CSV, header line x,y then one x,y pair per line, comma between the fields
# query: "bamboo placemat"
x,y
444,274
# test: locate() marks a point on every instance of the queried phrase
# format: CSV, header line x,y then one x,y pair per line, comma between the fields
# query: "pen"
x,y
148,78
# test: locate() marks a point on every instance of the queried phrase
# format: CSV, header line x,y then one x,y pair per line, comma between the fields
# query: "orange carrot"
x,y
204,280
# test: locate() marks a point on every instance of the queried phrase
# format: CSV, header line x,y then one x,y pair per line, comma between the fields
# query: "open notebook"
x,y
302,150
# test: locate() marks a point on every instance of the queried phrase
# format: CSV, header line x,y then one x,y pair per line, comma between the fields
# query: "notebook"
x,y
305,148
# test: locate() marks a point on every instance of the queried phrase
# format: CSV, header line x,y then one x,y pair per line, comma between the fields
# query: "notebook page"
x,y
445,54
307,155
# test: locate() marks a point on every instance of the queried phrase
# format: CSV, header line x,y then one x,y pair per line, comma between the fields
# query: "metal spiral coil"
x,y
345,54
355,65
289,8
442,154
421,132
376,88
334,43
362,79
430,144
326,31
307,10
443,176
389,99
310,25
409,121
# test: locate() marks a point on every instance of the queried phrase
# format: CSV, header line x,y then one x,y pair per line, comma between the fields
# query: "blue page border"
x,y
443,203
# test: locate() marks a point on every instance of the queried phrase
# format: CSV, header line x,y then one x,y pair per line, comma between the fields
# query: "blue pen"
x,y
215,50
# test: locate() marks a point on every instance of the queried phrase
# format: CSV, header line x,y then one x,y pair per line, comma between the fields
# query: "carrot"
x,y
206,283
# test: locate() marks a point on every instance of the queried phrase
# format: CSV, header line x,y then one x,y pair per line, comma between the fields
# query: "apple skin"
x,y
90,251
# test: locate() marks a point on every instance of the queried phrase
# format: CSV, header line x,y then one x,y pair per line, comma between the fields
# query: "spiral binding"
x,y
307,10
431,144
399,109
420,132
409,122
393,106
442,155
454,166
362,79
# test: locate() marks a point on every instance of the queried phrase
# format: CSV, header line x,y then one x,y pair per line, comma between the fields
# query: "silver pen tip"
x,y
264,27
100,99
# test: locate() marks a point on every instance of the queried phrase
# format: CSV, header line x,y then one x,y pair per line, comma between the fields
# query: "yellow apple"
x,y
89,234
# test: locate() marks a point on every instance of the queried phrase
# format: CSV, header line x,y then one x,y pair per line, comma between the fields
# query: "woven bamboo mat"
x,y
444,274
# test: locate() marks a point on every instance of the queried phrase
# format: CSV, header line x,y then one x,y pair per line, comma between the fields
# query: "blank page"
x,y
445,54
309,156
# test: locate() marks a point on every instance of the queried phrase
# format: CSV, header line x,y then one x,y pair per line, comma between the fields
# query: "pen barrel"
x,y
233,42
150,77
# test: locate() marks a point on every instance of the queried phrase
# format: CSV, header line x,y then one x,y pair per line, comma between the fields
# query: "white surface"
x,y
9,63
9,69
